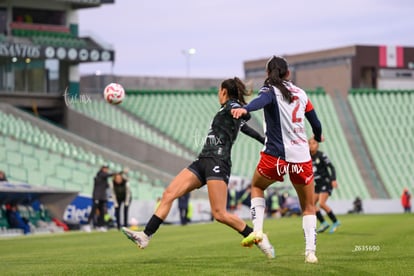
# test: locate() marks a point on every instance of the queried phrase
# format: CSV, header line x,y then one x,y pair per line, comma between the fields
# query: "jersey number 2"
x,y
295,119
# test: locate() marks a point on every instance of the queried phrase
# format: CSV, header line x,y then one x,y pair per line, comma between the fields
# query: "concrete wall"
x,y
32,100
332,79
96,84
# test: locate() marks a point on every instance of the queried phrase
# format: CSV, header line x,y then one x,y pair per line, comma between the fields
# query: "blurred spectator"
x,y
108,220
157,203
121,195
100,198
190,212
274,209
357,206
15,220
232,196
406,201
244,197
183,207
291,205
3,176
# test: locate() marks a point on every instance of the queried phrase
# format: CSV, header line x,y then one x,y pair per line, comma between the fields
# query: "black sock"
x,y
152,225
332,216
246,231
320,217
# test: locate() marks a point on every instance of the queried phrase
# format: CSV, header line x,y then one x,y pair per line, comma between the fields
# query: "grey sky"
x,y
149,36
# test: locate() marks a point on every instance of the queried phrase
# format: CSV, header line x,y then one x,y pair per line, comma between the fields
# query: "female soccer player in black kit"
x,y
212,168
325,181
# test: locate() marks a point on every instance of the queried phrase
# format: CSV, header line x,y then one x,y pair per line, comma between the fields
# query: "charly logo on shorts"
x,y
216,169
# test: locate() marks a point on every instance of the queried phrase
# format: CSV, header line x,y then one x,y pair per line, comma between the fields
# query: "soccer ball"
x,y
114,93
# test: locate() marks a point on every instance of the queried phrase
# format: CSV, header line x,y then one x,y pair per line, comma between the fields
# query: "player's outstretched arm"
x,y
252,133
257,103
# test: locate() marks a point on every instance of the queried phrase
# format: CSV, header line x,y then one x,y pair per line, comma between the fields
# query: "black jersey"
x,y
323,169
223,132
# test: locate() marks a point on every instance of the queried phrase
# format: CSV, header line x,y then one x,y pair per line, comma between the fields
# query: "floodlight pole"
x,y
188,53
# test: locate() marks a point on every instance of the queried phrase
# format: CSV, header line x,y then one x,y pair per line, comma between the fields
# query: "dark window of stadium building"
x,y
37,16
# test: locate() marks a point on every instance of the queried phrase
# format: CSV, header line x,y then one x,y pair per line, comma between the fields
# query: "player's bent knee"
x,y
309,210
168,195
220,216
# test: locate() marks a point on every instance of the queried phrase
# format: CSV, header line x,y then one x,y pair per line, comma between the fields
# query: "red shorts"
x,y
274,168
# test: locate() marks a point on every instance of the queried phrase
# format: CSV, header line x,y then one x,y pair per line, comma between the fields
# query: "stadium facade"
x,y
40,47
338,70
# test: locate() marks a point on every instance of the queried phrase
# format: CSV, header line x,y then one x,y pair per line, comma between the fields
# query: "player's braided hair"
x,y
277,69
236,89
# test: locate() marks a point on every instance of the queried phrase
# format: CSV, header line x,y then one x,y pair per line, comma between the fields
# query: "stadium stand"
x,y
186,118
48,35
27,152
384,118
113,117
190,131
336,147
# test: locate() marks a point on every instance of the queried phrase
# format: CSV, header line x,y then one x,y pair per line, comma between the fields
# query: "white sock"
x,y
309,229
257,209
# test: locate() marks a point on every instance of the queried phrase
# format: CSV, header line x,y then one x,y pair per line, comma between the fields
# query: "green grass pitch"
x,y
363,245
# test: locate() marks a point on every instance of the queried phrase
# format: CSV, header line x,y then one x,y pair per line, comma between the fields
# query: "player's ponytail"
x,y
277,70
236,89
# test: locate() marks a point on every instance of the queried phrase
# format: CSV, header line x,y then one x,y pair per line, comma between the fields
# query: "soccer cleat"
x,y
102,229
86,228
252,238
266,247
334,227
323,227
310,258
139,238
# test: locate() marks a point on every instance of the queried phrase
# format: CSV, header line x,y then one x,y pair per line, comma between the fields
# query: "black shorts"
x,y
207,168
323,187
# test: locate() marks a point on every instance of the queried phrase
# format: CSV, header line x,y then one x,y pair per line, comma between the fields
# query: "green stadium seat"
x,y
36,177
385,121
108,115
16,173
63,172
45,159
53,181
14,158
12,145
2,153
82,178
30,162
336,147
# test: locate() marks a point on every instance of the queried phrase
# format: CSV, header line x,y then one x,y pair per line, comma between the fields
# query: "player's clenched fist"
x,y
238,112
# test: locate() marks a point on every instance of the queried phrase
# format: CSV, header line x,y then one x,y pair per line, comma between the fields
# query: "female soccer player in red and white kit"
x,y
286,149
212,168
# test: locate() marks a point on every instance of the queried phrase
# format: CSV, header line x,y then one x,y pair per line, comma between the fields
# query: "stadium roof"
x,y
79,4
